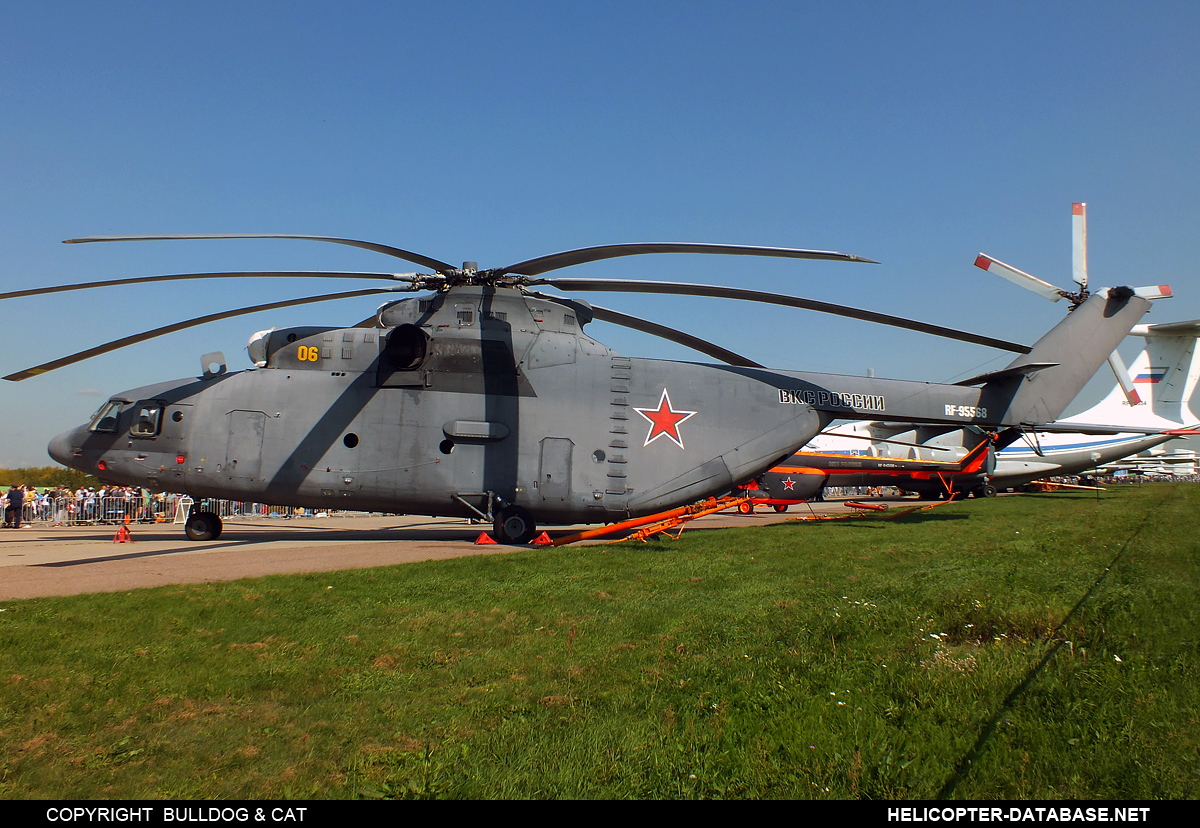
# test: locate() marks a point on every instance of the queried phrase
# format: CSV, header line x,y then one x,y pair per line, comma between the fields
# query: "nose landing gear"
x,y
203,526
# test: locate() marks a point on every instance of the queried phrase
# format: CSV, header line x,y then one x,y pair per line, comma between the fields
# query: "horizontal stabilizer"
x,y
1005,373
1191,328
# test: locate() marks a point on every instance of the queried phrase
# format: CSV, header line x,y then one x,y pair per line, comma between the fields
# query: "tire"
x,y
514,525
781,507
746,508
988,490
203,526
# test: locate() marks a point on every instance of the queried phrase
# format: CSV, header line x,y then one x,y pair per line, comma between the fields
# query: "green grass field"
x,y
1041,646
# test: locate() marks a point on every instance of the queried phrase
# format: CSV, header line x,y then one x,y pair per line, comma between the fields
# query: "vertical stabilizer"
x,y
1071,352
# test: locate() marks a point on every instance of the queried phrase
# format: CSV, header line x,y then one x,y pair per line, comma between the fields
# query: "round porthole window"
x,y
350,440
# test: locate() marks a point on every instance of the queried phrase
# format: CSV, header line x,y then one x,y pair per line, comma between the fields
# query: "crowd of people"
x,y
24,505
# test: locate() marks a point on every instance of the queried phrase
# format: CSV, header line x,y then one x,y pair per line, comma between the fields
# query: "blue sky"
x,y
916,134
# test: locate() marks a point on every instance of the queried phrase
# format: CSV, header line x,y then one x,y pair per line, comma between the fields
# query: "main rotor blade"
x,y
242,274
685,289
387,250
686,339
179,326
654,329
568,258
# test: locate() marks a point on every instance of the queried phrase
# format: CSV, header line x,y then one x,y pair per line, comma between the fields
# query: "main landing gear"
x,y
203,526
514,525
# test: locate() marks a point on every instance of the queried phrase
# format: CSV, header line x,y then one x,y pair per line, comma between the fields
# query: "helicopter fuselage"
x,y
491,398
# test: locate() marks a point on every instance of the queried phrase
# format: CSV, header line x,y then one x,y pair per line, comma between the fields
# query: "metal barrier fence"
x,y
174,508
159,509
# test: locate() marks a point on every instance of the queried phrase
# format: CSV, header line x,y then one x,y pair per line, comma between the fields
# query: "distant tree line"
x,y
46,476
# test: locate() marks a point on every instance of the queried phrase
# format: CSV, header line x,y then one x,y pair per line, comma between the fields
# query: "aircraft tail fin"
x,y
1164,375
1066,358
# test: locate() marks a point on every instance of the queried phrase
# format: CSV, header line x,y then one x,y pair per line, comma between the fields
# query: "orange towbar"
x,y
668,520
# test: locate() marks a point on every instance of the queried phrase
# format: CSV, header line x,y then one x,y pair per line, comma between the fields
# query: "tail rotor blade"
x,y
1123,379
1018,277
1154,292
1079,244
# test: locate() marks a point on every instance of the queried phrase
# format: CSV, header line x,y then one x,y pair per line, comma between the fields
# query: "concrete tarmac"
x,y
42,560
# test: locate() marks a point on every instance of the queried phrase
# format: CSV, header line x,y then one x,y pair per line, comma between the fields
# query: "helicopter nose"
x,y
61,447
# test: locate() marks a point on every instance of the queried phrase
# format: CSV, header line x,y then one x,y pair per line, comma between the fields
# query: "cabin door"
x,y
243,450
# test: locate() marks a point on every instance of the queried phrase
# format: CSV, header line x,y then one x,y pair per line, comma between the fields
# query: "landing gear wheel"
x,y
746,508
203,526
781,507
514,525
987,491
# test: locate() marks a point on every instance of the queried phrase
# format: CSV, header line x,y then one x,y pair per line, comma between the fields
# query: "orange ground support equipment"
x,y
862,510
1046,486
653,524
868,507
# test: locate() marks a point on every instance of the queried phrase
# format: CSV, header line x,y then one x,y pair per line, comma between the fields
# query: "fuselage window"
x,y
147,418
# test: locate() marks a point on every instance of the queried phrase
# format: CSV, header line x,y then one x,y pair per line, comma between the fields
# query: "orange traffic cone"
x,y
484,539
542,540
123,535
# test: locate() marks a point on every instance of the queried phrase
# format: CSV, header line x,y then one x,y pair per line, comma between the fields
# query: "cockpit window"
x,y
105,420
147,419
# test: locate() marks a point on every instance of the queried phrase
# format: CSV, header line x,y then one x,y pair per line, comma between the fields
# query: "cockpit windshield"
x,y
105,420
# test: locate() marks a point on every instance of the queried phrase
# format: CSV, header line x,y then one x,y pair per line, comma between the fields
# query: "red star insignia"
x,y
664,420
788,484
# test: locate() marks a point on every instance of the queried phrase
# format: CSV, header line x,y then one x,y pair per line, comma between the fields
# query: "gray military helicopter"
x,y
486,398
